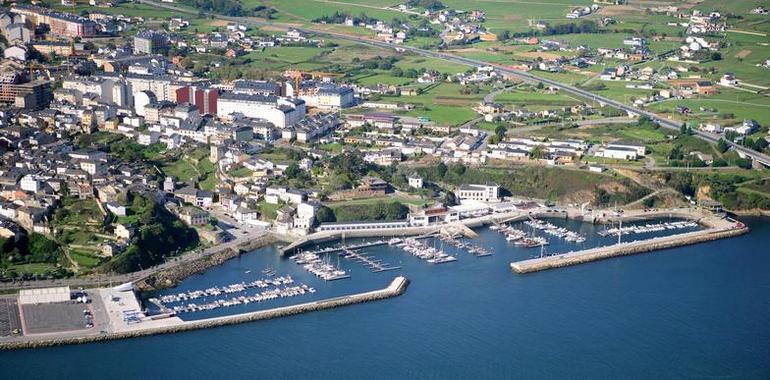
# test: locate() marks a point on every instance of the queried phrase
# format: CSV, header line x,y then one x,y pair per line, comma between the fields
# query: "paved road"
x,y
524,75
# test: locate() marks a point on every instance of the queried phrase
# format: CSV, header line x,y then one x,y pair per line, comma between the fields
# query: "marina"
x,y
648,228
673,281
376,265
465,246
718,228
519,237
554,230
220,290
425,252
321,268
265,295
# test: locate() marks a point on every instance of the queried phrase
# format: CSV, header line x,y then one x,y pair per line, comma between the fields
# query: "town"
x,y
109,146
140,138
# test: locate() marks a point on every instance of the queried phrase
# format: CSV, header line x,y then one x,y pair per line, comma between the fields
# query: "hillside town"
x,y
105,128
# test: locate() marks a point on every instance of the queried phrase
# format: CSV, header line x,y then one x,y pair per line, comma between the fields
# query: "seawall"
x,y
396,288
641,246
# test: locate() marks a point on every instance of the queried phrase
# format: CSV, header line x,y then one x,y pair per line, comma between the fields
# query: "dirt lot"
x,y
743,53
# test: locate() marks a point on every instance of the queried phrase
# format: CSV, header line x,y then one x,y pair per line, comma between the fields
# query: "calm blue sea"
x,y
694,312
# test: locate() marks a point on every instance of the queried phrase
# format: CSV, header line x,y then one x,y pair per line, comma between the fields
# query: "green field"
x,y
85,259
307,10
33,268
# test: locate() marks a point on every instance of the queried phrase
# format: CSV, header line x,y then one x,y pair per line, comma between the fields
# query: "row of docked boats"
x,y
474,250
648,228
519,237
554,230
321,268
229,289
266,295
423,251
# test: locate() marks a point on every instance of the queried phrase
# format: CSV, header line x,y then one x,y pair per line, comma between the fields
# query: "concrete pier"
x,y
395,288
717,229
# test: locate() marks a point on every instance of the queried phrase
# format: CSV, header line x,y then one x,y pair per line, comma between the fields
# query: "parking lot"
x,y
9,316
54,317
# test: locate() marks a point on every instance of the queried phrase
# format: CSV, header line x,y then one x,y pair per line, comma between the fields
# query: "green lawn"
x,y
268,210
34,268
79,212
85,259
241,172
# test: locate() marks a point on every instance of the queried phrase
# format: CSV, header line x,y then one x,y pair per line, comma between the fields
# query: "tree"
x,y
325,215
500,132
722,145
716,56
503,36
292,171
396,72
450,199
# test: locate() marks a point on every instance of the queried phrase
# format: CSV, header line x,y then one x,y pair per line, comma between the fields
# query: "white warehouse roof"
x,y
44,295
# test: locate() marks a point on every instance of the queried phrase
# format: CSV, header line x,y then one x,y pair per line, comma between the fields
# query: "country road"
x,y
524,75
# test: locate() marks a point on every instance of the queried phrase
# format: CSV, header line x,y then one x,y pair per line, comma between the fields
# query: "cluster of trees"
x,y
721,188
470,89
340,17
378,63
585,26
265,12
160,234
408,73
431,5
499,134
35,248
759,144
225,7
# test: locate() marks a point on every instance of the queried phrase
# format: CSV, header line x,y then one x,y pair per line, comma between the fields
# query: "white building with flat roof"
x,y
481,193
282,112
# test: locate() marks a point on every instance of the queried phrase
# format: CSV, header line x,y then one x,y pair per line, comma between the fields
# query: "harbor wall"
x,y
397,287
641,246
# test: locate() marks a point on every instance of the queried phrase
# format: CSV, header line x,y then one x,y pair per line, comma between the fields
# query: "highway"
x,y
523,75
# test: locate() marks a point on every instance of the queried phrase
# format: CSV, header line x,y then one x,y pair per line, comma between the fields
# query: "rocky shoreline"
x,y
171,277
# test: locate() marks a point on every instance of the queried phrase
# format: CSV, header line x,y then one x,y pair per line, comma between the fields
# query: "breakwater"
x,y
396,288
641,246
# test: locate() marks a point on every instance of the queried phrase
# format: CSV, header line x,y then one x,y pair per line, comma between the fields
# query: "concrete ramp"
x,y
455,229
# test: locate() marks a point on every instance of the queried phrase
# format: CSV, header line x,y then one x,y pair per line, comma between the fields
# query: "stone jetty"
x,y
395,288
